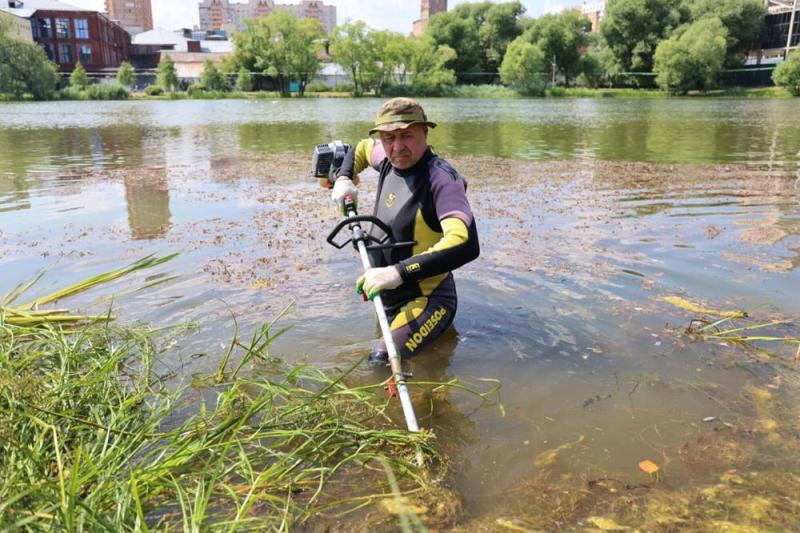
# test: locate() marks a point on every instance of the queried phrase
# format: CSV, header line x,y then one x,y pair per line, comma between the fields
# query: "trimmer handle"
x,y
349,205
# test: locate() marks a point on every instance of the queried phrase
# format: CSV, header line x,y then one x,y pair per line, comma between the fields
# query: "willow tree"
x,y
280,46
352,48
24,68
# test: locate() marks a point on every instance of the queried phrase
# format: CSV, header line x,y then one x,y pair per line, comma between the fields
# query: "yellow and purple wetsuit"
x,y
427,204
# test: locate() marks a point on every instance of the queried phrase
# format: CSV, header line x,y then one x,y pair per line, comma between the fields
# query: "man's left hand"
x,y
376,280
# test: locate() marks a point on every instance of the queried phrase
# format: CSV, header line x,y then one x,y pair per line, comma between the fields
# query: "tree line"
x,y
680,44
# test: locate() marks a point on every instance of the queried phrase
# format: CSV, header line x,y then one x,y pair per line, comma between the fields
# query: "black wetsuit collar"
x,y
418,166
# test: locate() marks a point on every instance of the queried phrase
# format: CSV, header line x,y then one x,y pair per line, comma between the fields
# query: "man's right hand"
x,y
341,189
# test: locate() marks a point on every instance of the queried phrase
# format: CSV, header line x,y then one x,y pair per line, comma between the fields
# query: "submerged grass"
x,y
749,337
87,440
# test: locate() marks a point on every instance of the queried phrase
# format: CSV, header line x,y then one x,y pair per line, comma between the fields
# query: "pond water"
x,y
590,213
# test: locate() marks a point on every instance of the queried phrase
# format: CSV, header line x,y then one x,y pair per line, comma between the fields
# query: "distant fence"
x,y
755,76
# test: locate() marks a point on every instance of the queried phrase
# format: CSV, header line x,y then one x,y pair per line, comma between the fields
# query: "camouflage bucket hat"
x,y
400,113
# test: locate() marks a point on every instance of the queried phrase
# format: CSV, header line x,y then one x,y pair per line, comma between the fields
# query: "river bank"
x,y
486,91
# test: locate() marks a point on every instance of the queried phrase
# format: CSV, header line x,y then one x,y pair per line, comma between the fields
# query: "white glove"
x,y
375,280
342,188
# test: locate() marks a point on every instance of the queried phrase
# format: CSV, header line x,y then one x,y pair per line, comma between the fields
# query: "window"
x,y
50,50
45,28
85,54
62,28
65,54
81,29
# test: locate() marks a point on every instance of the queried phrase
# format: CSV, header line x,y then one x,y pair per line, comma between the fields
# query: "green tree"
x,y
25,69
351,47
524,67
429,67
167,77
461,35
787,74
591,68
387,54
244,80
212,79
78,78
280,46
692,58
633,28
744,20
500,27
125,75
479,33
560,38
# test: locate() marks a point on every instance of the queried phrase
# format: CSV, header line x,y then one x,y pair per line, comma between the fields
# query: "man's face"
x,y
405,147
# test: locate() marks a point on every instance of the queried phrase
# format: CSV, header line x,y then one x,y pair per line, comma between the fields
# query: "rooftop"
x,y
162,37
29,7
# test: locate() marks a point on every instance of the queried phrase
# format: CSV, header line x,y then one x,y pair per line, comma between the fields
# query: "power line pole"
x,y
791,28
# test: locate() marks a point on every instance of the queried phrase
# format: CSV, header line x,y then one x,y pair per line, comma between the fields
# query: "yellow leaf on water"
x,y
606,524
648,466
683,303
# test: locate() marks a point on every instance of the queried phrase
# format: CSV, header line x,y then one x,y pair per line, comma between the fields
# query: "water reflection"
x,y
148,206
14,194
136,133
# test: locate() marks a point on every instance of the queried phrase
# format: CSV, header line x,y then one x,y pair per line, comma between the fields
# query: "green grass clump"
x,y
89,440
93,436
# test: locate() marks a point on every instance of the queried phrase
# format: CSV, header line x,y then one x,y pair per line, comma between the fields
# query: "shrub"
x,y
398,90
244,80
212,79
154,90
25,69
523,68
195,89
78,78
318,87
557,92
787,74
437,82
107,91
591,70
691,59
72,93
484,91
167,74
346,87
125,75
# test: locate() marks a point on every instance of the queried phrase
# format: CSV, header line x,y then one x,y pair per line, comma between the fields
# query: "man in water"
x,y
422,199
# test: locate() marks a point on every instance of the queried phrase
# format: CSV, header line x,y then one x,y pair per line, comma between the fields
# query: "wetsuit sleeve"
x,y
459,243
368,153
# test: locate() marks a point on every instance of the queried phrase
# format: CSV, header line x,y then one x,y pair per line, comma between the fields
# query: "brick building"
x,y
72,35
427,9
136,16
595,12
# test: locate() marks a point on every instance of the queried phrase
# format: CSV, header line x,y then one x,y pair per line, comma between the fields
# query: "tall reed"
x,y
89,440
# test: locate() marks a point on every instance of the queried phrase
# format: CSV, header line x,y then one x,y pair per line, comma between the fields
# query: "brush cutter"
x,y
364,242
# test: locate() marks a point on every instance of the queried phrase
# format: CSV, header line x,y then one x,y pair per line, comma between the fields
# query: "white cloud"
x,y
551,8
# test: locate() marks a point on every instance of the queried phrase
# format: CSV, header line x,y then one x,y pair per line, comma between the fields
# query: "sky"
x,y
394,15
